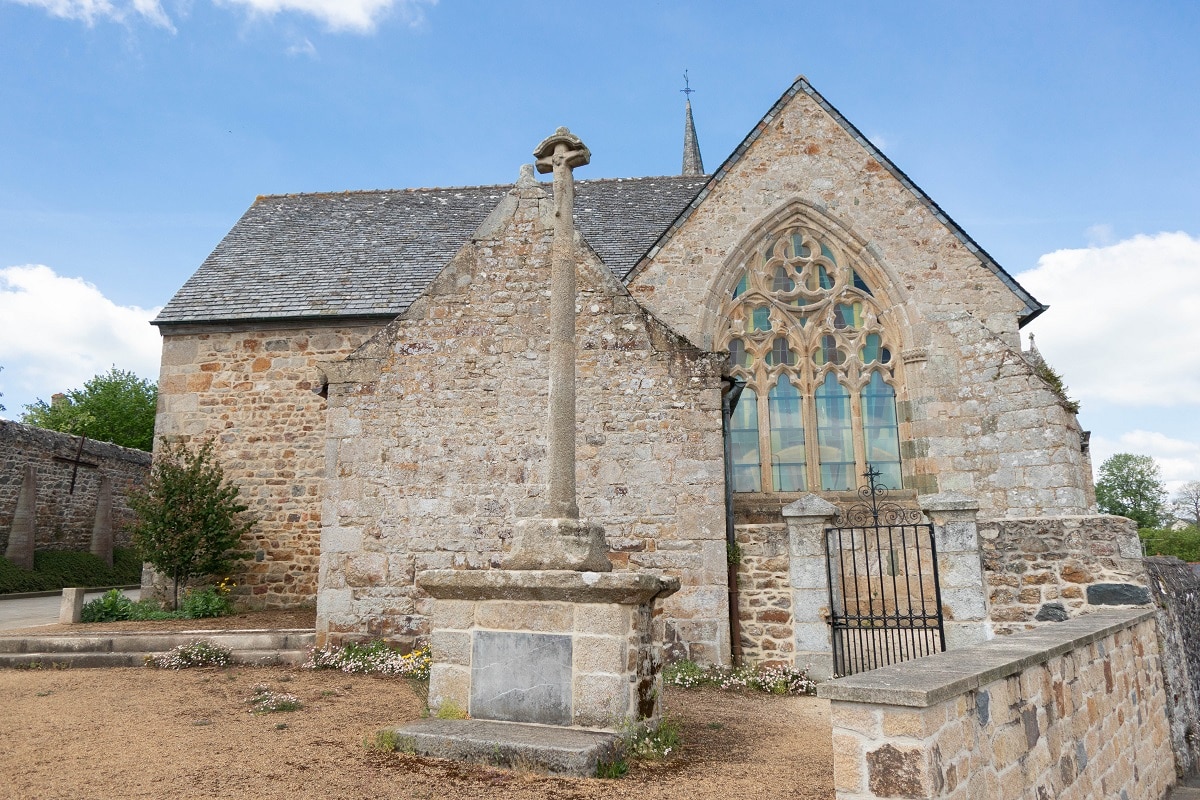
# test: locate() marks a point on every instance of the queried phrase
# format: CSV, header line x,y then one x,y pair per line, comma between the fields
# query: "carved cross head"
x,y
563,148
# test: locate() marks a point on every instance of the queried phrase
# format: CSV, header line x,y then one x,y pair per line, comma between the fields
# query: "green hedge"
x,y
55,569
1183,544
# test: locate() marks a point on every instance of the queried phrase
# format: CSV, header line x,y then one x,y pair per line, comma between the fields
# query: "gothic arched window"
x,y
802,330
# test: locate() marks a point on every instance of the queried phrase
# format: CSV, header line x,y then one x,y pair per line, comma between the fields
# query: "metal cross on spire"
x,y
687,86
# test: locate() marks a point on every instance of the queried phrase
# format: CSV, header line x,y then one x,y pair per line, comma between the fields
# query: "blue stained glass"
x,y
742,286
881,433
799,250
738,356
743,439
760,319
835,436
825,251
781,354
859,283
783,282
788,458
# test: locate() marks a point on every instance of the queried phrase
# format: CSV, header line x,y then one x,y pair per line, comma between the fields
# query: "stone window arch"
x,y
803,330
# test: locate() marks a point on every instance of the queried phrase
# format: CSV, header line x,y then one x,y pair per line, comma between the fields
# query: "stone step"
x,y
132,649
540,748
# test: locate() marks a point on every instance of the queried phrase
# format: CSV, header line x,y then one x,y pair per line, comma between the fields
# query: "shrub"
x,y
376,658
111,606
200,653
211,601
55,569
189,518
1183,544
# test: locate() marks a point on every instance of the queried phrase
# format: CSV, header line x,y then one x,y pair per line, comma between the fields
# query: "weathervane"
x,y
687,87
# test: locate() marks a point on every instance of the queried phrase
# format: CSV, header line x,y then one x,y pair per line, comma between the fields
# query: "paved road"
x,y
28,612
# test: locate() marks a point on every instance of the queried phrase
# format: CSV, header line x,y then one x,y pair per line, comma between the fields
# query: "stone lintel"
x,y
927,681
558,543
360,370
625,588
559,751
810,505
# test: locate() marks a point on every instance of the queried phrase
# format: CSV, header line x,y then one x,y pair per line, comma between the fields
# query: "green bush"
x,y
1183,544
211,601
114,606
56,569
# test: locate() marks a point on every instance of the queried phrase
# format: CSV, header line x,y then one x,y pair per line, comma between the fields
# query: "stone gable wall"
x,y
65,518
973,416
253,392
1042,570
1077,711
437,429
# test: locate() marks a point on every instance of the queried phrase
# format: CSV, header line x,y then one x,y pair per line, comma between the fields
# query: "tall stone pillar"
x,y
102,533
24,524
960,567
806,520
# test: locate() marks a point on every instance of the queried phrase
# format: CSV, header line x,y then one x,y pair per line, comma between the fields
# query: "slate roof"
x,y
370,254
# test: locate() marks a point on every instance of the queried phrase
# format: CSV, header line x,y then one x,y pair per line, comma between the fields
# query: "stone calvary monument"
x,y
553,637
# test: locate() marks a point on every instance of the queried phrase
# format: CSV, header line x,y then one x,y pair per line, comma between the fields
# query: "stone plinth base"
x,y
558,544
550,647
507,744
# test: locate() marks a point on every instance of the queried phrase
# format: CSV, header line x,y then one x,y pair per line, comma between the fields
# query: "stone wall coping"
x,y
927,681
1050,519
948,501
625,588
810,505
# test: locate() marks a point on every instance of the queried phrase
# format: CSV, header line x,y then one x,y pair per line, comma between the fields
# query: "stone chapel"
x,y
373,367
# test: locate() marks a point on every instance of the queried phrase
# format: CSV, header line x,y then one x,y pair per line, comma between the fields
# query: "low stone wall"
x,y
65,517
1048,569
1074,710
765,594
1175,587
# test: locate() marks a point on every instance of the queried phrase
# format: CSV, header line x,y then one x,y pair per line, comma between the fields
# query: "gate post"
x,y
960,567
808,574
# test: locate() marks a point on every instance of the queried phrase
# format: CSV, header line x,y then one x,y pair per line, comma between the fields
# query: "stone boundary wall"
x,y
65,519
1075,710
765,594
1048,569
1175,587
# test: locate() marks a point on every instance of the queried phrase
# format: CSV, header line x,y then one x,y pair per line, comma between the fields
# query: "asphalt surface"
x,y
29,612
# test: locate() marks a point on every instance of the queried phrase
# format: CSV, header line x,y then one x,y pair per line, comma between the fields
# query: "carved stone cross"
x,y
560,154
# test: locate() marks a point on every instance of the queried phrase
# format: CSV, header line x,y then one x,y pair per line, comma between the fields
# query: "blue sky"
x,y
1061,136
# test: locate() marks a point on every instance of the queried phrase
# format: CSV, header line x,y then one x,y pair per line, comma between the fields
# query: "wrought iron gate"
x,y
885,601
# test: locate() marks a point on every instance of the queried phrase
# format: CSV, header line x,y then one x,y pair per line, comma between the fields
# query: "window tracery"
x,y
803,331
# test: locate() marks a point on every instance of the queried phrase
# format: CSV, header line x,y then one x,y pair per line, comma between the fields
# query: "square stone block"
x,y
600,654
453,614
602,618
602,701
511,615
449,682
521,677
451,647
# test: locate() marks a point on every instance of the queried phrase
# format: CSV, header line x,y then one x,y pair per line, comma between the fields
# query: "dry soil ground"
x,y
145,733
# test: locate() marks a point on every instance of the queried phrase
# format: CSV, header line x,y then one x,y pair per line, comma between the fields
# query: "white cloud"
x,y
57,332
1179,460
89,11
350,15
304,47
1122,326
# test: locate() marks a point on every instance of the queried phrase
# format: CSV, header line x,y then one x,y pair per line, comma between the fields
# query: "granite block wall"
x,y
1072,711
1175,588
255,392
65,518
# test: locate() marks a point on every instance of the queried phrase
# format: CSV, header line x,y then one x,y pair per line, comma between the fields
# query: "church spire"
x,y
692,163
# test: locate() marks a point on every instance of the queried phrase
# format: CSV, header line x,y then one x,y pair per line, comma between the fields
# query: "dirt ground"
x,y
145,733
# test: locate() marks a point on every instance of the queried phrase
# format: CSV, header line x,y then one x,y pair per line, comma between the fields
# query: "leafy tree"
x,y
189,518
1131,486
1186,503
116,407
1183,544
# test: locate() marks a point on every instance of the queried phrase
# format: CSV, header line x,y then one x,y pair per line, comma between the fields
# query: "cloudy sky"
x,y
1061,136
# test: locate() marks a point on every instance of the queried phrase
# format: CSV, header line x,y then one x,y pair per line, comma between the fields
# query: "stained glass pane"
x,y
783,282
738,357
828,352
870,349
819,278
781,354
881,434
799,250
859,283
847,315
760,319
743,439
742,286
835,436
788,470
825,251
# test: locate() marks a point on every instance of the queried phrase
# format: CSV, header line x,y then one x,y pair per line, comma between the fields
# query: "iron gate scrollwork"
x,y
885,600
